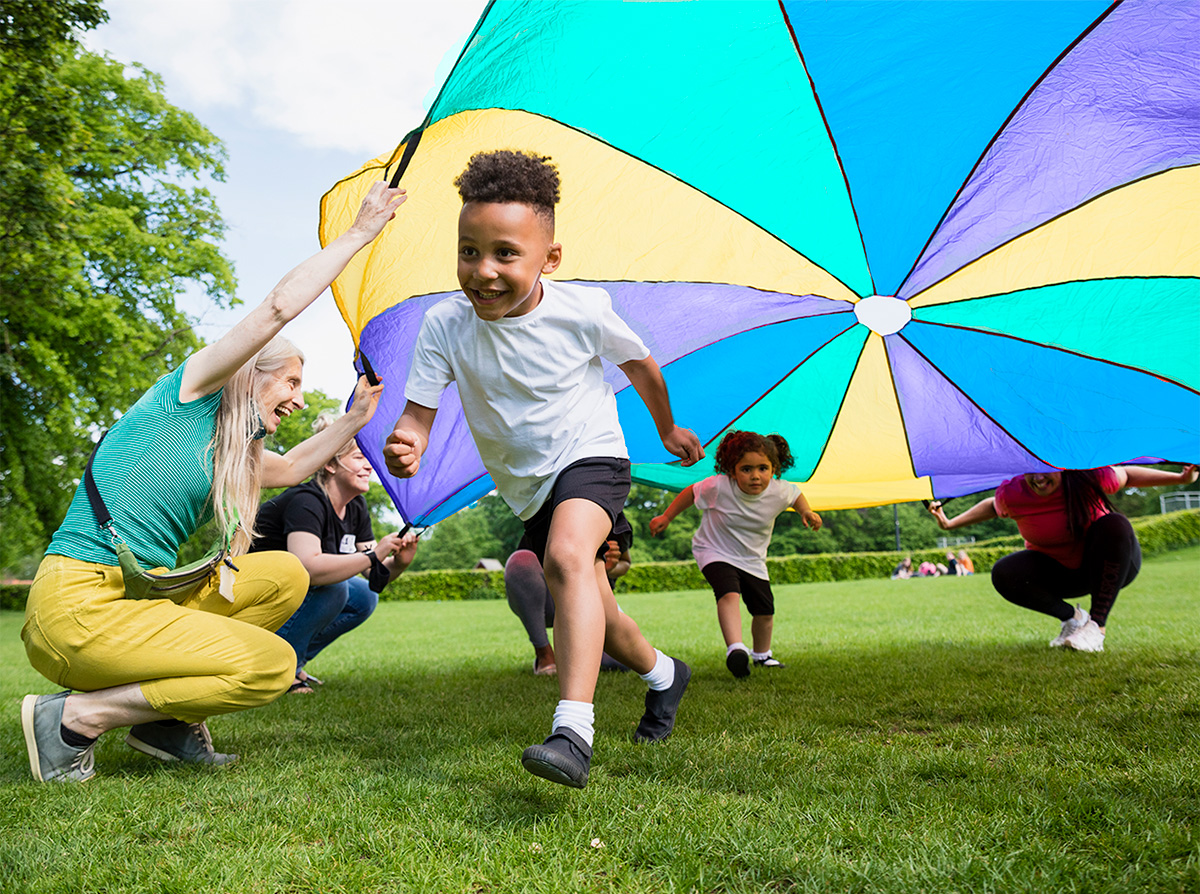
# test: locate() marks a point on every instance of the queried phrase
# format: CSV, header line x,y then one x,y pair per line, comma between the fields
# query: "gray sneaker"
x,y
187,742
50,758
1069,626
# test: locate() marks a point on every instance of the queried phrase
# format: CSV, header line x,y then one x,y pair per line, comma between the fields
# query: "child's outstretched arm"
x,y
647,380
811,519
684,499
404,447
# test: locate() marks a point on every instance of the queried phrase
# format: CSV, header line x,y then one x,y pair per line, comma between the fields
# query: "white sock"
x,y
736,647
662,675
760,656
575,716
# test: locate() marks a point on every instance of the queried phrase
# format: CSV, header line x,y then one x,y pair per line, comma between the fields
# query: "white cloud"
x,y
350,75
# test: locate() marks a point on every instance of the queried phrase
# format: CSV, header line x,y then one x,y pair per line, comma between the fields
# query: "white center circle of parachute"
x,y
883,314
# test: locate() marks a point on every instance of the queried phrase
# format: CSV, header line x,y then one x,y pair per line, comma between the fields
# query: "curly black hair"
x,y
509,176
737,444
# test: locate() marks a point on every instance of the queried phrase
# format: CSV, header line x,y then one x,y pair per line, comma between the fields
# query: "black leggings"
x,y
1112,558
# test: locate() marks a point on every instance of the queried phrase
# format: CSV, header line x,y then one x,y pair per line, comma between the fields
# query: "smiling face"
x,y
352,471
503,250
1043,483
279,395
753,473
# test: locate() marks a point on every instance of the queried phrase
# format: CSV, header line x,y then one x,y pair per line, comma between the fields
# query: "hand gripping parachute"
x,y
932,244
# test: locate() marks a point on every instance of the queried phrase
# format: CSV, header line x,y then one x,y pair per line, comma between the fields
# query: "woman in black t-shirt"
x,y
326,524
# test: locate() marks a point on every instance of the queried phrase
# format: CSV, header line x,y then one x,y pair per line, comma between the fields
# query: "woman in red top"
x,y
1075,543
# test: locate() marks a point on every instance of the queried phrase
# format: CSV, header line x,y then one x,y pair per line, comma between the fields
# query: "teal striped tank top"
x,y
155,475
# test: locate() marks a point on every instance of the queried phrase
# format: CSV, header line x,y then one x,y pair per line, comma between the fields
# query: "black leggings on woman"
x,y
1112,558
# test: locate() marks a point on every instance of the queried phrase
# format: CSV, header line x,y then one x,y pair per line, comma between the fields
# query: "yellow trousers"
x,y
202,657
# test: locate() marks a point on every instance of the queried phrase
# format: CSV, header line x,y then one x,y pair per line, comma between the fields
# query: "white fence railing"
x,y
1180,499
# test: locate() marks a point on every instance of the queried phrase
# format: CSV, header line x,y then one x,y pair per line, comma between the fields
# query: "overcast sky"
x,y
302,92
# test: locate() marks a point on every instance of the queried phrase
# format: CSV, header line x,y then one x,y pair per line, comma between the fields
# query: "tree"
x,y
106,222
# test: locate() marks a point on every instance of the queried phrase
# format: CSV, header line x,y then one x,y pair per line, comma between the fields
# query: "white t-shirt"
x,y
532,387
736,527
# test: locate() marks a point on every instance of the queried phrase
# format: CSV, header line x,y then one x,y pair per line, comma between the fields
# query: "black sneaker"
x,y
768,662
738,662
659,719
563,758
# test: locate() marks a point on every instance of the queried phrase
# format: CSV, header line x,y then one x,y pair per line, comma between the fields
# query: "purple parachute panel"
x,y
1122,105
947,433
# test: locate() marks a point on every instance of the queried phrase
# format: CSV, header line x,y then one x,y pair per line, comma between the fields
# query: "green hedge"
x,y
1157,533
12,597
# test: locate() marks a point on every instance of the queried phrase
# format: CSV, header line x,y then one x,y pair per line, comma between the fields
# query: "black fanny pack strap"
x,y
103,516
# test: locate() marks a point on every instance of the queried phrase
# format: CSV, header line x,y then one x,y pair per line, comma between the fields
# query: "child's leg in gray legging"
x,y
528,595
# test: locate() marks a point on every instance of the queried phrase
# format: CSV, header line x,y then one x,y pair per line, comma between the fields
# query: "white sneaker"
x,y
1088,638
1069,626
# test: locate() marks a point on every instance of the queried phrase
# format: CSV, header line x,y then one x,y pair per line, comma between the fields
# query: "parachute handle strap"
x,y
410,147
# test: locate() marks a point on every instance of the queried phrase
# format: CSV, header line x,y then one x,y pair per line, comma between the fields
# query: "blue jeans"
x,y
326,613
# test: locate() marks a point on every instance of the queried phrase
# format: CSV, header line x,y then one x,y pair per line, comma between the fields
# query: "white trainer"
x,y
1088,638
1069,626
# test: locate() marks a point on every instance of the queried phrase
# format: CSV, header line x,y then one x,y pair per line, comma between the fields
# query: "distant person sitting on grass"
x,y
530,599
326,524
951,565
965,565
525,354
738,511
1075,543
904,570
190,447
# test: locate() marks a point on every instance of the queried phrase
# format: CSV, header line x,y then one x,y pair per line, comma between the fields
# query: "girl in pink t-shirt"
x,y
739,508
1075,543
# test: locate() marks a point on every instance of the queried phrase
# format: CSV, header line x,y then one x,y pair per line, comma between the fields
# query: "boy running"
x,y
525,353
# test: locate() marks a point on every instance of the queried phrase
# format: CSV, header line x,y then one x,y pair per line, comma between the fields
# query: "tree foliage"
x,y
106,222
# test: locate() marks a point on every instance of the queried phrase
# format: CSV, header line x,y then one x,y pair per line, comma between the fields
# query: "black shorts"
x,y
755,591
602,479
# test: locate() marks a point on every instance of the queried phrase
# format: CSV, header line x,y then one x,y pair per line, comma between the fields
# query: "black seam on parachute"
x,y
1047,222
446,499
972,402
1059,348
832,142
763,396
841,406
1049,285
996,135
900,409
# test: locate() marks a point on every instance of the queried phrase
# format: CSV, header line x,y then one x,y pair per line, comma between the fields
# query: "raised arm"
x,y
303,460
212,366
981,511
647,380
406,444
685,499
1140,476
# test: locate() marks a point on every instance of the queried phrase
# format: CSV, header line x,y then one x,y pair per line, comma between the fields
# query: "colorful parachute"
x,y
932,244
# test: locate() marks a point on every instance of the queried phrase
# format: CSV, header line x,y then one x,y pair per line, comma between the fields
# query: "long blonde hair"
x,y
322,422
237,454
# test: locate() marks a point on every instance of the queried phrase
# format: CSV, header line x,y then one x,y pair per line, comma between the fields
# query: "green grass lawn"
x,y
921,738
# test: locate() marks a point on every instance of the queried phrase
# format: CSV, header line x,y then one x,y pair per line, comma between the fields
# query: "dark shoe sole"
x,y
738,663
549,764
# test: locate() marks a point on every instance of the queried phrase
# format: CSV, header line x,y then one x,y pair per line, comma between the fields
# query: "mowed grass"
x,y
921,738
